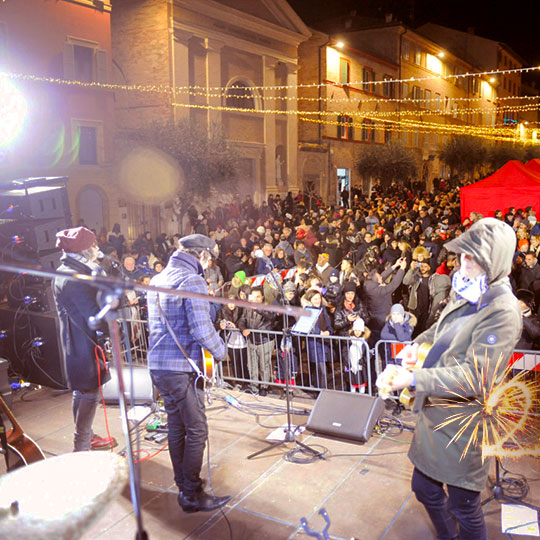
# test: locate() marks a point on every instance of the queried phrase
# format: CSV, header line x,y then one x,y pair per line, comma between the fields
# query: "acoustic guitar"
x,y
406,397
21,449
209,368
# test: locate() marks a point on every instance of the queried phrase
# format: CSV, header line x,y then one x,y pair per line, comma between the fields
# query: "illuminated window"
x,y
417,93
344,71
419,57
368,133
405,50
437,102
345,127
240,96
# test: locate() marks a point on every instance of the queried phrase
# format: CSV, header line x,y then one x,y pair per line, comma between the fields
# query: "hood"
x,y
492,243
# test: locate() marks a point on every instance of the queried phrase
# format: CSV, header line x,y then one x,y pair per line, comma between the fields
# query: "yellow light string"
x,y
205,91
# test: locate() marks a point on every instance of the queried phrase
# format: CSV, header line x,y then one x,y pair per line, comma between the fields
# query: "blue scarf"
x,y
469,289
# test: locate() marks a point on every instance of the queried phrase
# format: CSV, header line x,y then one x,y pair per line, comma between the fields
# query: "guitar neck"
x,y
17,429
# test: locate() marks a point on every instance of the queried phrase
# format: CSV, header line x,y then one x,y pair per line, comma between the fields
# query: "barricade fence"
x,y
258,360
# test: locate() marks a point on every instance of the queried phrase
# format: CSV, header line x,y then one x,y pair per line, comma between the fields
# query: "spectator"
x,y
359,356
417,278
530,335
260,343
322,268
399,325
333,290
213,276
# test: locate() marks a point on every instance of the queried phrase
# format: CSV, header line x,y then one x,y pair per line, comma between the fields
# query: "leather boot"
x,y
202,502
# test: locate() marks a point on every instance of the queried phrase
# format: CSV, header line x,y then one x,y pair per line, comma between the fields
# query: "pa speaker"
x,y
139,387
345,415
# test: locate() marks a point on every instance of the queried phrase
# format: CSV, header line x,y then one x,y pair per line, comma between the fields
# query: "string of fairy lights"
x,y
401,120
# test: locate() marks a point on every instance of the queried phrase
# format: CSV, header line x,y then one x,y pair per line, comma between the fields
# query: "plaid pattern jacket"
x,y
189,318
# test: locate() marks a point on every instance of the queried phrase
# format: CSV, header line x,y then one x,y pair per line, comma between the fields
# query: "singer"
x,y
76,302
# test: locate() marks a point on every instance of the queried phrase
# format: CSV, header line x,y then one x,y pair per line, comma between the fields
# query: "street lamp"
x,y
340,44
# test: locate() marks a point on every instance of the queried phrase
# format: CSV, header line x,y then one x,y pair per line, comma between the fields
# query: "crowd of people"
x,y
377,269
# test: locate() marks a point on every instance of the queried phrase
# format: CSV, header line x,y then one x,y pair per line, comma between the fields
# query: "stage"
x,y
365,489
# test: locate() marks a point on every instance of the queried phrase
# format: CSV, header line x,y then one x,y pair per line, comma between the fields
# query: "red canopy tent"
x,y
514,184
534,166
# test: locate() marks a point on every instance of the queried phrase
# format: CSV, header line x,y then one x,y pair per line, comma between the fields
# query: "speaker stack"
x,y
32,211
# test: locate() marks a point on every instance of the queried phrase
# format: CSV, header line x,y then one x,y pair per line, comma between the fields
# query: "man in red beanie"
x,y
76,302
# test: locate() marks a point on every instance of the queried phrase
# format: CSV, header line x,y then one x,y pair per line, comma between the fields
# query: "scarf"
x,y
469,289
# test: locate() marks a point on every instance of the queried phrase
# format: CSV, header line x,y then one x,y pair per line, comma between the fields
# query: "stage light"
x,y
340,44
13,109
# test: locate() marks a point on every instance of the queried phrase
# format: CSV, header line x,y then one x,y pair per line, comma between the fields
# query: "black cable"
x,y
514,485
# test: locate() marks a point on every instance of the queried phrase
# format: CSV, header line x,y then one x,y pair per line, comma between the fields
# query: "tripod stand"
x,y
290,435
498,491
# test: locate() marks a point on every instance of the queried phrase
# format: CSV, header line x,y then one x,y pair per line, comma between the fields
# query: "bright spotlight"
x,y
12,111
492,80
440,55
340,44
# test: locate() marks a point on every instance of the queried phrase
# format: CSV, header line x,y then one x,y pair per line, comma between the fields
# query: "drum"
x,y
59,498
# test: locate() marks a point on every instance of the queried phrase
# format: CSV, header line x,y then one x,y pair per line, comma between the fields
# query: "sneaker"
x,y
102,443
201,503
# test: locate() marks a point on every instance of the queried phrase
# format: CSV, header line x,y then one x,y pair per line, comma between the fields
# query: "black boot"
x,y
202,502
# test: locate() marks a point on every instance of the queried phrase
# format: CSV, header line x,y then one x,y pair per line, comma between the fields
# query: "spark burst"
x,y
499,413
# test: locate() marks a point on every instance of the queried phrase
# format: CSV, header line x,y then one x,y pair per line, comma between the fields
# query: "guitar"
x,y
22,450
209,368
406,397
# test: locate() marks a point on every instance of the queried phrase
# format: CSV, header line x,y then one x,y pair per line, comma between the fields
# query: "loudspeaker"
x,y
142,391
345,415
31,342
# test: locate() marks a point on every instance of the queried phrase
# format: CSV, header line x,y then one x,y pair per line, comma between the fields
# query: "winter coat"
x,y
323,274
357,351
530,336
300,254
319,348
342,325
379,297
333,293
232,336
399,331
76,302
253,319
493,330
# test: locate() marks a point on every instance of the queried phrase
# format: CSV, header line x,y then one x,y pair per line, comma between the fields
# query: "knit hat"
x,y
324,256
75,240
241,275
289,287
397,308
523,242
359,325
301,234
349,286
260,230
334,273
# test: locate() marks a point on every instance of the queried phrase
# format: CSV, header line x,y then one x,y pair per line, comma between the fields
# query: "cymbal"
x,y
60,497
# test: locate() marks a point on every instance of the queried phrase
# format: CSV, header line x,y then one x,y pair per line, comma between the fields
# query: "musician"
x,y
76,302
482,320
173,374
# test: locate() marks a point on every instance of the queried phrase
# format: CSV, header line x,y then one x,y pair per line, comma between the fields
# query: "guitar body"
x,y
21,449
209,368
406,398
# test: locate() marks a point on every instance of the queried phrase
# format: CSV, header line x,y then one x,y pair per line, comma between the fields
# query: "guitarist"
x,y
179,328
482,319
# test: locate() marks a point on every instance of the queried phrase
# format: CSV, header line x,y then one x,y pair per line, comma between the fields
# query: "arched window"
x,y
240,96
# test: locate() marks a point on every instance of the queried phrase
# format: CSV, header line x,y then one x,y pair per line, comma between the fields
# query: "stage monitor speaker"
x,y
345,415
31,342
142,391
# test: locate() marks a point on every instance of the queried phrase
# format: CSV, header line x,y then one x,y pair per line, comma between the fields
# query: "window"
x,y
416,140
437,101
417,93
388,89
474,85
3,44
345,127
405,50
239,96
504,83
88,145
84,61
344,71
387,134
368,133
418,57
446,103
367,77
404,90
455,110
427,103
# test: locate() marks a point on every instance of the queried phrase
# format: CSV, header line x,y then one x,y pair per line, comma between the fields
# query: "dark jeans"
x,y
84,410
461,506
188,429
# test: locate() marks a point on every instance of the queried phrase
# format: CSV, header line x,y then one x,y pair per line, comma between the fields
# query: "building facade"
x,y
69,128
358,104
225,62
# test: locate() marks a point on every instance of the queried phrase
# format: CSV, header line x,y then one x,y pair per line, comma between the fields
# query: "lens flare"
x,y
12,111
503,414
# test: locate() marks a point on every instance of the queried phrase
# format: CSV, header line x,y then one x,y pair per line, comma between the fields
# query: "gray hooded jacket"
x,y
493,330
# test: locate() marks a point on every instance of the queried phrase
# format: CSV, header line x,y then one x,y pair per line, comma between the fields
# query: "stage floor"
x,y
365,489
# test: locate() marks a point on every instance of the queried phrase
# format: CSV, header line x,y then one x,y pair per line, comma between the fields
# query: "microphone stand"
x,y
290,434
109,313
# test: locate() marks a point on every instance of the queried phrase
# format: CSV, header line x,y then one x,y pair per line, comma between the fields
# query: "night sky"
x,y
515,25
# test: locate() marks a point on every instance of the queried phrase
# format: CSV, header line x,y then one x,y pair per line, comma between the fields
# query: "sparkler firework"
x,y
502,413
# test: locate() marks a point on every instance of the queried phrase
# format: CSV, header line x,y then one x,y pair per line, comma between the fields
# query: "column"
x,y
292,127
181,73
269,79
213,79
